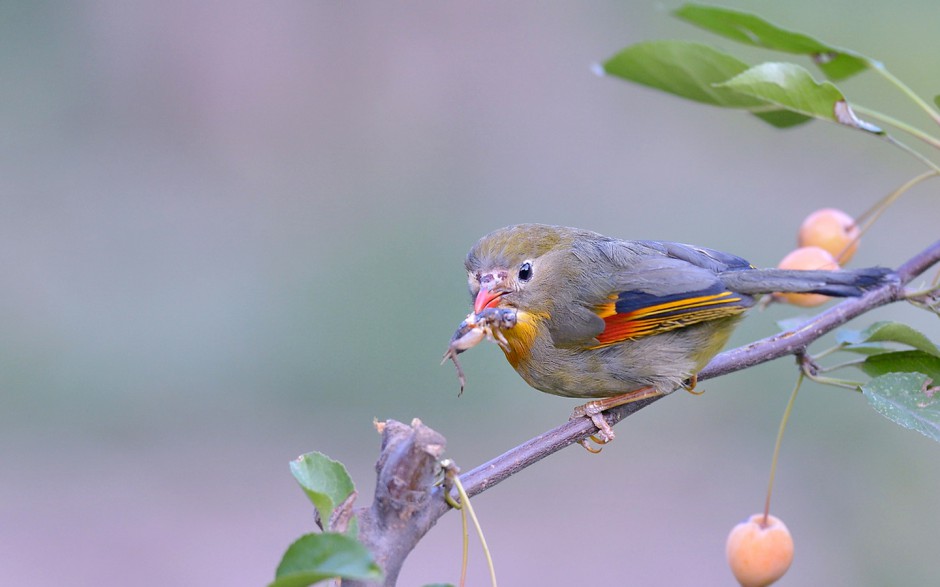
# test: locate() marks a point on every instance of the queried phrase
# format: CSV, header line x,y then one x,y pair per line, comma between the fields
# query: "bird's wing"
x,y
714,261
656,293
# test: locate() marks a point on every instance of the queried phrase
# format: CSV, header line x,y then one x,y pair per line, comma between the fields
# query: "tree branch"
x,y
408,531
406,472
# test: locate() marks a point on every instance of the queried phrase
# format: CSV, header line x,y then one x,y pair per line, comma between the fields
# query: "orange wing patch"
x,y
626,319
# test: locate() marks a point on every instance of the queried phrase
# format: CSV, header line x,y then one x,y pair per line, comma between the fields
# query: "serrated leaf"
x,y
887,331
317,557
325,481
837,63
902,361
906,399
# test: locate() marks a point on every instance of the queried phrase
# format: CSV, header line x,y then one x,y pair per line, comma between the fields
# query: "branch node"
x,y
406,473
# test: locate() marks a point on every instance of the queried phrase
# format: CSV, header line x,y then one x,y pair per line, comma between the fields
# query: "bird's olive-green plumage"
x,y
600,316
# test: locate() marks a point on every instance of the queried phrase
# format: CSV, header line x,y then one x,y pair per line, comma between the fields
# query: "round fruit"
x,y
830,229
807,258
759,554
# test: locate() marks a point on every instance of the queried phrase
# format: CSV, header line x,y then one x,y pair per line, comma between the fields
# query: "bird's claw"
x,y
589,447
605,433
690,385
595,411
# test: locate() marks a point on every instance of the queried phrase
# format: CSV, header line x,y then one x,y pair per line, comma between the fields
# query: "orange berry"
x,y
830,229
759,554
806,258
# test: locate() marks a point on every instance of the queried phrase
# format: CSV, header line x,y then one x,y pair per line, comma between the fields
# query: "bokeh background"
x,y
233,232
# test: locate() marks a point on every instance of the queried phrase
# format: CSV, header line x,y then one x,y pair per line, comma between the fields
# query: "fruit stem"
x,y
886,201
898,124
451,472
868,218
773,462
911,152
921,103
465,505
844,383
842,365
828,351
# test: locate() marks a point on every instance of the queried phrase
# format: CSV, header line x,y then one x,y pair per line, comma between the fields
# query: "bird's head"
x,y
516,267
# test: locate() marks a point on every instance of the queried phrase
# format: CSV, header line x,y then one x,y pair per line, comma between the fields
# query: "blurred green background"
x,y
233,232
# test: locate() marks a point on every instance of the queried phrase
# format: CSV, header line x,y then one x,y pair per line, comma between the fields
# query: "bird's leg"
x,y
595,411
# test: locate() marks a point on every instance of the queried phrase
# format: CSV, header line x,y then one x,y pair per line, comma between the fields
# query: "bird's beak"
x,y
486,299
490,291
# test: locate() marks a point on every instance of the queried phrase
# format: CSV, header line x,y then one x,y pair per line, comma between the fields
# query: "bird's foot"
x,y
595,411
690,384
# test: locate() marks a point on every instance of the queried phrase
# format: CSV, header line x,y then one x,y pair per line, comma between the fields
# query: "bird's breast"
x,y
522,337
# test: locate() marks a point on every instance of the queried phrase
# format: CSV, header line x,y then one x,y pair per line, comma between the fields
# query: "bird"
x,y
616,321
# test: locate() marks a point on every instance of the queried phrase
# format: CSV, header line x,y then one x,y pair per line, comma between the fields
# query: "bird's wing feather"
x,y
649,287
714,261
656,294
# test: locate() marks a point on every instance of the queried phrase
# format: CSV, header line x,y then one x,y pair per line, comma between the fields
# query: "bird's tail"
x,y
845,283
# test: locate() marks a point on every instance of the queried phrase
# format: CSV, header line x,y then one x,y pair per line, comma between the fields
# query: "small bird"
x,y
623,320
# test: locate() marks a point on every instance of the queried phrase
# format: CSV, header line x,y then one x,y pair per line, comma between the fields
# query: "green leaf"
x,y
792,87
902,361
316,557
686,69
693,71
936,100
325,481
886,331
837,63
782,118
905,399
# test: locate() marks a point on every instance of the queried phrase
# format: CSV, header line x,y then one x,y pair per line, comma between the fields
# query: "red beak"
x,y
486,299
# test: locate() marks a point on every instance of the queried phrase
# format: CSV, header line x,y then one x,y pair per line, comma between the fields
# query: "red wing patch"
x,y
635,315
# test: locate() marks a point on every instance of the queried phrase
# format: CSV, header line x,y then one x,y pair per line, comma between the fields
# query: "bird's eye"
x,y
525,272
